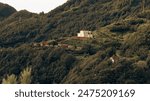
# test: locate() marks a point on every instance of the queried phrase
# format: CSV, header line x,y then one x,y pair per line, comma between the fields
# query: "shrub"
x,y
120,28
142,53
87,49
145,14
68,60
110,51
136,21
10,79
141,64
25,76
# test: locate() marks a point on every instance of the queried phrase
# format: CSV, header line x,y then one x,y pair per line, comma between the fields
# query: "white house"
x,y
87,34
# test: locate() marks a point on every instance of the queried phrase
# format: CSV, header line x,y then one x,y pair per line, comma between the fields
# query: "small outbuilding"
x,y
86,34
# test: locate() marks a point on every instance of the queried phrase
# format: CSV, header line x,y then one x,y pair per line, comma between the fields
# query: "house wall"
x,y
80,35
85,34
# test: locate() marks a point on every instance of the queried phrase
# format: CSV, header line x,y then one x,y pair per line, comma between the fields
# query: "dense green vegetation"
x,y
5,11
67,20
121,30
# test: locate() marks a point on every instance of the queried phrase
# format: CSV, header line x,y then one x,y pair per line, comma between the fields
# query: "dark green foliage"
x,y
67,20
143,53
48,65
145,14
89,49
136,21
148,61
120,29
67,60
110,51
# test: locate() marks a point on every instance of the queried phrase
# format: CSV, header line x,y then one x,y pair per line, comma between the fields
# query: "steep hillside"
x,y
119,52
21,27
127,41
90,14
73,16
6,11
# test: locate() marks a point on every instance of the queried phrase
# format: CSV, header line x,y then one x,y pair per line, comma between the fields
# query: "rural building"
x,y
44,43
114,59
86,34
36,44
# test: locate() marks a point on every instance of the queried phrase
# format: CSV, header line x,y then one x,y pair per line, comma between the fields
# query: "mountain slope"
x,y
71,17
24,27
6,11
118,53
